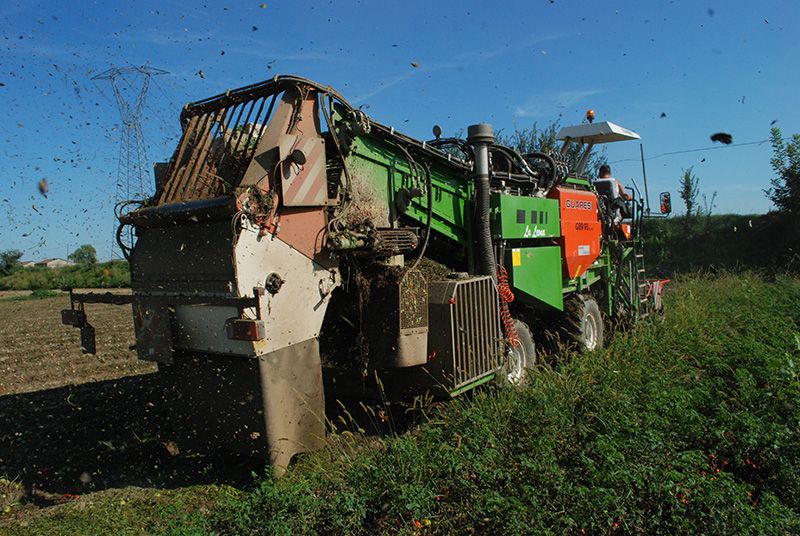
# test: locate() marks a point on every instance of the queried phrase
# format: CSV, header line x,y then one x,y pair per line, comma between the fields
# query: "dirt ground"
x,y
38,352
71,423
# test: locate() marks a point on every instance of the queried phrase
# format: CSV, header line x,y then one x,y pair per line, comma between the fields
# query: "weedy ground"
x,y
688,424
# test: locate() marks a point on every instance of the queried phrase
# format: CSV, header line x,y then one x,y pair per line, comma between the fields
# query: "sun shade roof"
x,y
604,132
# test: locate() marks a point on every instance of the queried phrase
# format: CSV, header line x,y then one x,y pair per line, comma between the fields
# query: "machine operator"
x,y
612,189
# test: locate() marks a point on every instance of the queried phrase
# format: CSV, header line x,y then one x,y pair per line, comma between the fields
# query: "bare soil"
x,y
38,352
71,423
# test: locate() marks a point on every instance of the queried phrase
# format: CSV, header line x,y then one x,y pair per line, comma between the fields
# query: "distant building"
x,y
27,264
54,263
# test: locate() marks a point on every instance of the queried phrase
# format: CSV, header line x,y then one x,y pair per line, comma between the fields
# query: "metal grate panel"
x,y
477,345
396,241
216,147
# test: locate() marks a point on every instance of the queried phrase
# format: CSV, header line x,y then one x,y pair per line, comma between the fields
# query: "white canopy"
x,y
595,133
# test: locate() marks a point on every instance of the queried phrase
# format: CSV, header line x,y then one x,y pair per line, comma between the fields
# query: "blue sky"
x,y
709,66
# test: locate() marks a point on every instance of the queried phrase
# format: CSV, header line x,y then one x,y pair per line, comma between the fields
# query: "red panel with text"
x,y
580,229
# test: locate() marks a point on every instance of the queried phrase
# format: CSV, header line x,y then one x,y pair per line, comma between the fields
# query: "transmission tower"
x,y
130,85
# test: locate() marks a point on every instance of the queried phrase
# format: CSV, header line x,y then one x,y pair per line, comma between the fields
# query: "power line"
x,y
701,149
132,167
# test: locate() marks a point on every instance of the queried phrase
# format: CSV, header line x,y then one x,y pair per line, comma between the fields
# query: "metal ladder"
x,y
642,286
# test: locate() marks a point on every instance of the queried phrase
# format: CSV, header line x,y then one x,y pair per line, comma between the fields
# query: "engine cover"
x,y
580,229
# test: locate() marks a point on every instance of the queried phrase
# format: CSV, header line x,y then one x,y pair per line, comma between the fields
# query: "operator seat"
x,y
607,187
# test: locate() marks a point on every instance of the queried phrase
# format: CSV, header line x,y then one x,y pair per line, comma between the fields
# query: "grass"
x,y
686,425
113,274
128,511
37,294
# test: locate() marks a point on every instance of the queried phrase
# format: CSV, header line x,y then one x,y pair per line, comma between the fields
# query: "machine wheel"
x,y
519,358
585,323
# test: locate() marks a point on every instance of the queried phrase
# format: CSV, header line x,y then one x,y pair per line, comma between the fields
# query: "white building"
x,y
54,263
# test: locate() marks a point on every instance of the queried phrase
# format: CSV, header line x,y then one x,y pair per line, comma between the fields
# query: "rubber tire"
x,y
585,323
519,359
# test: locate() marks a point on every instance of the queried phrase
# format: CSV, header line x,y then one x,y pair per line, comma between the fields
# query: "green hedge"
x,y
112,274
766,242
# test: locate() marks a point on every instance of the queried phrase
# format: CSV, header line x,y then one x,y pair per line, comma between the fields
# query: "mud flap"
x,y
271,407
293,402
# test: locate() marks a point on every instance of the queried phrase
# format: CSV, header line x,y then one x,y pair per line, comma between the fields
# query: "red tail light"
x,y
246,330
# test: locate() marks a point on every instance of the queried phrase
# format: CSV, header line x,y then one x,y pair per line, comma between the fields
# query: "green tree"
x,y
85,255
8,260
543,140
689,191
785,186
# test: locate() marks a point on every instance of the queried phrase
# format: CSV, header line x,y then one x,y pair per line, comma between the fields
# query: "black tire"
x,y
519,359
585,323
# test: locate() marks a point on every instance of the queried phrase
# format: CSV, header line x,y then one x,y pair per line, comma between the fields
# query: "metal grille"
x,y
396,241
475,324
217,145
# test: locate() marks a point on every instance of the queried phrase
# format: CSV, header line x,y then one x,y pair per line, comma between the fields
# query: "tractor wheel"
x,y
585,323
520,358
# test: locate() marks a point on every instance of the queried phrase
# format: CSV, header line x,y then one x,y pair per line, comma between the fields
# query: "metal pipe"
x,y
480,136
644,176
584,158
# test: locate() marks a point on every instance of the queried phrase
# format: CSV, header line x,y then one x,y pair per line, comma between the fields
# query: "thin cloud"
x,y
479,55
383,86
162,38
543,104
461,60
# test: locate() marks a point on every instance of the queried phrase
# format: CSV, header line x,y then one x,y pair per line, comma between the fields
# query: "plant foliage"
x,y
689,191
684,426
114,274
543,140
785,185
8,260
85,255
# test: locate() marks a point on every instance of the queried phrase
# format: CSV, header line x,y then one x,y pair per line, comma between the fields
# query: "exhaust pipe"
x,y
480,136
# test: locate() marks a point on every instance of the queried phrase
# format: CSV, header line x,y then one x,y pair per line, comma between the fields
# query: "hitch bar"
x,y
76,315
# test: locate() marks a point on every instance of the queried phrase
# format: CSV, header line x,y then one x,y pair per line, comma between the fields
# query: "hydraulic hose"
x,y
480,136
550,181
429,186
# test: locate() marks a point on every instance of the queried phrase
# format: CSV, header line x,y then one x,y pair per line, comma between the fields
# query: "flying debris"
x,y
722,137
